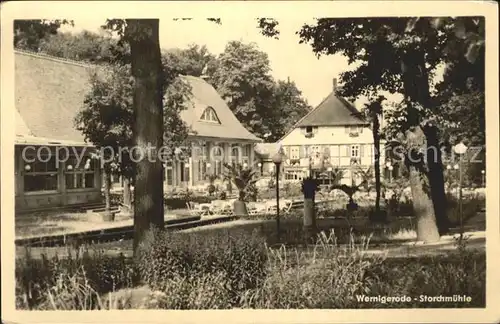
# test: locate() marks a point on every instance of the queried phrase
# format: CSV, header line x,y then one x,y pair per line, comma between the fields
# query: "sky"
x,y
312,75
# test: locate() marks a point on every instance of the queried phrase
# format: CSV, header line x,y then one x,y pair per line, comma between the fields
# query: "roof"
x,y
35,140
204,95
50,91
333,111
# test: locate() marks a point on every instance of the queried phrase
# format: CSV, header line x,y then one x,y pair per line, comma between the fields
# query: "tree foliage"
x,y
28,34
242,76
107,118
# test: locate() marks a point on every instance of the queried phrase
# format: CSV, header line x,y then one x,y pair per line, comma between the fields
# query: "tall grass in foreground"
x,y
236,269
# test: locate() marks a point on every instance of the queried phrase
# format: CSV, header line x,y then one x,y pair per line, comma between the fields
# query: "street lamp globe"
x,y
209,165
483,172
245,165
27,167
278,157
456,167
388,164
449,167
390,168
460,148
259,164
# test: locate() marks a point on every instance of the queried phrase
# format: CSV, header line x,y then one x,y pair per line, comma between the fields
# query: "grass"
x,y
55,223
235,267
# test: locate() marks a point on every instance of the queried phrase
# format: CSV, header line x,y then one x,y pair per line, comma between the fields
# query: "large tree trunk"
x,y
436,179
426,179
143,37
423,206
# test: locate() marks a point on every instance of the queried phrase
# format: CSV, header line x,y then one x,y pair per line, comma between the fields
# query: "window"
x,y
309,129
209,115
246,154
218,157
235,153
294,153
294,175
334,151
202,162
79,174
355,151
41,175
169,173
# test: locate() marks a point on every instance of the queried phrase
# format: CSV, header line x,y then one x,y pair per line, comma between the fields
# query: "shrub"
x,y
325,276
239,255
462,273
101,273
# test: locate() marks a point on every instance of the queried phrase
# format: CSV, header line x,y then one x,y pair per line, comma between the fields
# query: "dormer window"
x,y
309,129
209,115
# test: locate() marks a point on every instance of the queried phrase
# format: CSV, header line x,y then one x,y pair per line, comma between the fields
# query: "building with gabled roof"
x,y
49,92
334,129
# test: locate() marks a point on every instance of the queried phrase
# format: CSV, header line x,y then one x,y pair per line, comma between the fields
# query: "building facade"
x,y
216,137
50,92
333,136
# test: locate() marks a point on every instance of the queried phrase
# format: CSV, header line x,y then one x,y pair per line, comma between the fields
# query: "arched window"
x,y
209,115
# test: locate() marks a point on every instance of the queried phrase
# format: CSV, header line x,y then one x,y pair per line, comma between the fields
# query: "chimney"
x,y
334,84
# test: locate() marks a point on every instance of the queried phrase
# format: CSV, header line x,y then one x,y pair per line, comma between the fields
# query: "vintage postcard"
x,y
278,162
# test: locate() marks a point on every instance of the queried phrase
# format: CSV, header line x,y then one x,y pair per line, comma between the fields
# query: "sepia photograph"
x,y
304,162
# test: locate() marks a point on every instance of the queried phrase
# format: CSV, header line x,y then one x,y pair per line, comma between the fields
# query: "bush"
x,y
459,273
100,273
239,255
325,276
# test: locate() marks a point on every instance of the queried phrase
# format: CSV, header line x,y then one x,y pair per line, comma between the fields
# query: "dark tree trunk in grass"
x,y
309,191
143,37
107,195
375,110
127,197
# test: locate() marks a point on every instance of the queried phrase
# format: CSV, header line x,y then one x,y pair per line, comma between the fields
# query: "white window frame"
x,y
209,115
80,171
355,149
218,158
294,152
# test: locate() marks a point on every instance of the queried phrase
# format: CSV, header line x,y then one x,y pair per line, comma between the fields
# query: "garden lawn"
x,y
57,222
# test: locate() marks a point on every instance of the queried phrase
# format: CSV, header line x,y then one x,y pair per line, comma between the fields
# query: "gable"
x,y
203,97
333,111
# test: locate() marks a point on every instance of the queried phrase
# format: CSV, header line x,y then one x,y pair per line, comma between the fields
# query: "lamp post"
x,y
460,149
483,175
330,169
277,159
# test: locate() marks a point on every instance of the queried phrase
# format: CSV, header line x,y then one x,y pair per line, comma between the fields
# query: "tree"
x,y
106,120
84,46
243,79
195,60
29,33
288,107
374,111
399,55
